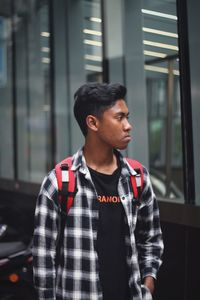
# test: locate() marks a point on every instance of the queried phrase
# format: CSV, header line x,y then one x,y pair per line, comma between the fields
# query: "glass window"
x,y
24,90
75,63
6,92
32,56
160,42
92,31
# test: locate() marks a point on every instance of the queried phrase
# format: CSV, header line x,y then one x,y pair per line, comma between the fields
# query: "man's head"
x,y
94,99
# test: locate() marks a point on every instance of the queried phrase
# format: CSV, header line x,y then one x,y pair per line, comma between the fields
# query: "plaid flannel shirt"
x,y
76,276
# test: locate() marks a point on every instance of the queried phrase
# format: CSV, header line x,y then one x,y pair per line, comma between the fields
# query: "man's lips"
x,y
127,138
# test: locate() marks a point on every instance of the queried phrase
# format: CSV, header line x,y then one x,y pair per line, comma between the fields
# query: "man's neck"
x,y
102,160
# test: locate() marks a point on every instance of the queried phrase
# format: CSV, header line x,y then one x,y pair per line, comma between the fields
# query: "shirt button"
x,y
123,198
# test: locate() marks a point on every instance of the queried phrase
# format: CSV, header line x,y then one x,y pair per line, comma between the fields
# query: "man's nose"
x,y
128,126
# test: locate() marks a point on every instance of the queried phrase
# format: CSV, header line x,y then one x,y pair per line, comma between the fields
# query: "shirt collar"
x,y
127,170
78,160
80,163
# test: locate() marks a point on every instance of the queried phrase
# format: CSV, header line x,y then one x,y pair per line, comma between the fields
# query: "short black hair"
x,y
94,99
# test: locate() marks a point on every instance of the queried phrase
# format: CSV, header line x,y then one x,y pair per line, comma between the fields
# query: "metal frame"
x,y
14,97
185,89
105,63
52,89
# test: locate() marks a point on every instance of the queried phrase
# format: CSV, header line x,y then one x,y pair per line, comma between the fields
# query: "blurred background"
x,y
48,48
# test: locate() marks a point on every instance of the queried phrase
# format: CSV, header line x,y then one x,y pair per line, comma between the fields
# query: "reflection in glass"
x,y
93,40
32,55
160,40
6,84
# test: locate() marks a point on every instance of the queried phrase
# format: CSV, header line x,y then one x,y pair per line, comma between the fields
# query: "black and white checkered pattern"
x,y
77,276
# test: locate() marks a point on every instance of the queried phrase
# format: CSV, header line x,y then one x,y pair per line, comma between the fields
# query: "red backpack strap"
x,y
66,184
137,180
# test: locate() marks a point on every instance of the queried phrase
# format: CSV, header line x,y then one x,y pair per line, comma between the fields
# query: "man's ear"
x,y
92,122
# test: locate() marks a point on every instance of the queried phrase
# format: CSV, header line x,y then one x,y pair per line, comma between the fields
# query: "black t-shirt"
x,y
111,248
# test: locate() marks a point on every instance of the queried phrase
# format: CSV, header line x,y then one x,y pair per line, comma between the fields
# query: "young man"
x,y
112,246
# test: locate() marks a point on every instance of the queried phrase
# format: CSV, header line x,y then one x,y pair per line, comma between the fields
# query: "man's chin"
x,y
121,147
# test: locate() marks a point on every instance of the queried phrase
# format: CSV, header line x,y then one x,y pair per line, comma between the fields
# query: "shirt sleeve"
x,y
44,243
148,232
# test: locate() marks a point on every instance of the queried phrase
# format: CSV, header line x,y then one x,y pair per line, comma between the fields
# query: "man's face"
x,y
113,126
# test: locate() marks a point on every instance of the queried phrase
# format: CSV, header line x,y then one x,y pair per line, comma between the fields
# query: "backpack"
x,y
67,182
67,190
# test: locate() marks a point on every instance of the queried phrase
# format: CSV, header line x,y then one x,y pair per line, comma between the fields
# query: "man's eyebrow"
x,y
121,113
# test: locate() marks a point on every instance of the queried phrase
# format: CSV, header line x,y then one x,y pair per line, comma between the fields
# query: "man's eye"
x,y
122,117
